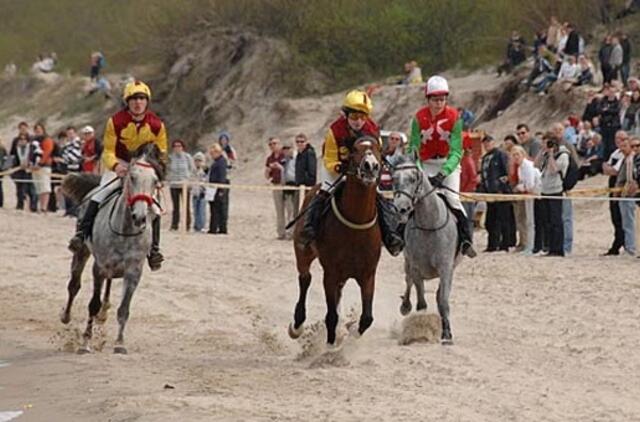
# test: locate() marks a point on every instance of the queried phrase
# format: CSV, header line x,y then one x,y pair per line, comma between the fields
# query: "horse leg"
x,y
131,280
444,289
331,297
367,287
422,303
101,318
77,266
300,313
405,307
94,308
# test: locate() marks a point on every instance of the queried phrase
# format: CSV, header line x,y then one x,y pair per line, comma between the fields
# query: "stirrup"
x,y
155,260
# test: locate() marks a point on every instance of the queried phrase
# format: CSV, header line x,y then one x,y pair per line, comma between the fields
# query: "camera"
x,y
551,143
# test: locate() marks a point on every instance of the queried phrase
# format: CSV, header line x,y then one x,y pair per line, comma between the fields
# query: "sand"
x,y
536,339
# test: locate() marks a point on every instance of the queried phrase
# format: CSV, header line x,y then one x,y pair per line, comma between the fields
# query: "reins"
x,y
415,198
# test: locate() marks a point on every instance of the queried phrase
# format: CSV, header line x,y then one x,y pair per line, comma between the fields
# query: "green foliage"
x,y
349,40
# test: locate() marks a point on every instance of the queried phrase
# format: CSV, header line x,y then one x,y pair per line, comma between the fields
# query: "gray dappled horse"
x,y
431,239
120,240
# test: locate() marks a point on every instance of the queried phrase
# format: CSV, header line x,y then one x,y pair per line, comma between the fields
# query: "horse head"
x,y
409,185
145,171
365,160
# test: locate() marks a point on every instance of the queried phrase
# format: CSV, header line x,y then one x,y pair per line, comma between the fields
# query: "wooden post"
x,y
183,206
637,227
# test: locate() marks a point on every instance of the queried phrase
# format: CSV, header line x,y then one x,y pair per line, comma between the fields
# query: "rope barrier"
x,y
585,194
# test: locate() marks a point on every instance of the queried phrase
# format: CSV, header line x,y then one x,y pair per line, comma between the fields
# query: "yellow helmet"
x,y
357,100
136,87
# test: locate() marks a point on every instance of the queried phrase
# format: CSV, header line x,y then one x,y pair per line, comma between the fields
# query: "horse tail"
x,y
77,186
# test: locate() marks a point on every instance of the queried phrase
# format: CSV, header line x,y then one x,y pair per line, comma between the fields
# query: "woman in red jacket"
x,y
41,165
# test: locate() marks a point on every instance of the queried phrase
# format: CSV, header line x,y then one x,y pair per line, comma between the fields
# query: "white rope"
x,y
577,195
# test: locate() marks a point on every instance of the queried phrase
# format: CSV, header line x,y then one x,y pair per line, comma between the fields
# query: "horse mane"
x,y
152,155
77,186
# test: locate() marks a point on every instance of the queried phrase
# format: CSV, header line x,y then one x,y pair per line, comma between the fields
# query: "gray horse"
x,y
431,237
120,240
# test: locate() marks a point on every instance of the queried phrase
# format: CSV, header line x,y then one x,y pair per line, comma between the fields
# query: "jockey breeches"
x,y
433,167
327,179
103,192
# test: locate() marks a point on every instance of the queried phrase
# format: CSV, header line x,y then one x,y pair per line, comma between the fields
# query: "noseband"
x,y
416,196
132,199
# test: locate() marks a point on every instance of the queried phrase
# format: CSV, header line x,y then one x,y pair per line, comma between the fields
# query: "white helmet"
x,y
87,129
437,85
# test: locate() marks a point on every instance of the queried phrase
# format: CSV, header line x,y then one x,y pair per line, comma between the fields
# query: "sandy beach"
x,y
536,339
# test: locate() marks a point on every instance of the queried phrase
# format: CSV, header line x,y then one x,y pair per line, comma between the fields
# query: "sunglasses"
x,y
635,146
357,116
300,142
138,97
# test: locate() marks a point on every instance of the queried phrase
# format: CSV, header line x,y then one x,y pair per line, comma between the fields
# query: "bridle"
x,y
417,196
131,200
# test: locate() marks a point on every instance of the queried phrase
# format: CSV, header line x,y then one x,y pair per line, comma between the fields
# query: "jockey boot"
x,y
84,227
392,231
312,217
155,258
466,246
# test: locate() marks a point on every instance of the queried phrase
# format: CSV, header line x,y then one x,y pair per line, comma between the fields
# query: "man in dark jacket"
x,y
306,162
21,151
494,172
572,48
218,174
626,57
609,116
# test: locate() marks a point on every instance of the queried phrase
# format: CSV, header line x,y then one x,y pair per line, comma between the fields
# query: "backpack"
x,y
571,177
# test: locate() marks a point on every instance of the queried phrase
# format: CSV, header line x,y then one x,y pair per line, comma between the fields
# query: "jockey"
x,y
355,122
126,130
436,136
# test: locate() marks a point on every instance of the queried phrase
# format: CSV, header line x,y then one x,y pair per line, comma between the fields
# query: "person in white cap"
x,y
436,137
90,150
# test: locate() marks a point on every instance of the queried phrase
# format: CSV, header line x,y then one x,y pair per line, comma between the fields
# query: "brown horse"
x,y
348,241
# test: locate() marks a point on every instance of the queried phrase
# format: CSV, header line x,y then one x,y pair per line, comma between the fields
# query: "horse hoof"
x,y
405,308
120,350
446,342
84,350
293,333
65,318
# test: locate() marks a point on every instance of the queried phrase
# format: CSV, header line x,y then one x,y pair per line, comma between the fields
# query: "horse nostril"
x,y
403,210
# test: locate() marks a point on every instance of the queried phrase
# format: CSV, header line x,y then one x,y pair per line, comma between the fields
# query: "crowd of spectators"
x,y
34,156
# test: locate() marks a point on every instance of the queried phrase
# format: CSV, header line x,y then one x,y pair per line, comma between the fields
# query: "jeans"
x,y
497,225
628,214
624,72
567,225
176,198
548,80
199,213
551,210
541,242
618,231
219,216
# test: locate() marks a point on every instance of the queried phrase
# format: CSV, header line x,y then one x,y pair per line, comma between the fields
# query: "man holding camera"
x,y
553,163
